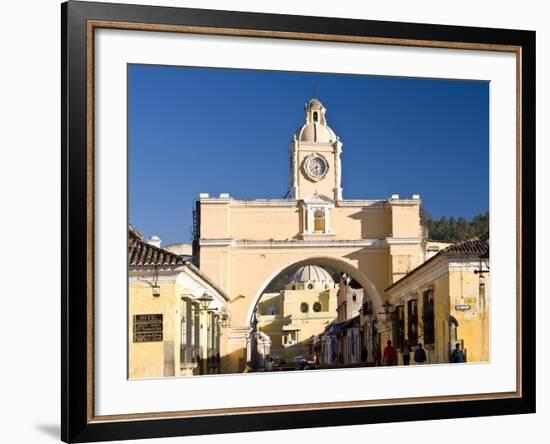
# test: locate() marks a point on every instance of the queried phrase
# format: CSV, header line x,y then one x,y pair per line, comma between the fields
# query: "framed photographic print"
x,y
277,221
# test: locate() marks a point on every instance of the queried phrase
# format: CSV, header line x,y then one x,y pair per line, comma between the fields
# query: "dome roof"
x,y
311,273
315,128
315,103
315,132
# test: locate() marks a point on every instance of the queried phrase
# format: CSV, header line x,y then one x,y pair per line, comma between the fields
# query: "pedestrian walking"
x,y
390,354
406,353
458,355
364,354
377,355
419,355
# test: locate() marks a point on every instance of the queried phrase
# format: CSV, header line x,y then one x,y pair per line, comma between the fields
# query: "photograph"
x,y
297,220
305,221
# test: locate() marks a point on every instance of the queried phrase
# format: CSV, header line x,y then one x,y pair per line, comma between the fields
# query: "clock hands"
x,y
316,166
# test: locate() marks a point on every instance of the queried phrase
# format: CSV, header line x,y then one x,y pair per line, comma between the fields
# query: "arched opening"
x,y
339,265
324,316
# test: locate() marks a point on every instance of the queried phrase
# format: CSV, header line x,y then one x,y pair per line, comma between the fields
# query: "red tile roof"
x,y
141,254
470,246
134,234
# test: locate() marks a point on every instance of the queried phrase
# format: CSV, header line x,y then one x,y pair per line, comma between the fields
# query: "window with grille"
x,y
428,316
190,332
399,326
412,321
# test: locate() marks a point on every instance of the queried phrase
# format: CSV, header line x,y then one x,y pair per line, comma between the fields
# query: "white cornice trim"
x,y
202,285
265,203
149,276
369,204
216,242
403,240
375,243
377,203
215,200
463,264
298,243
163,270
404,202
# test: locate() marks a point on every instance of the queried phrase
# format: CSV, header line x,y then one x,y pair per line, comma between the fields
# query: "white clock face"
x,y
316,166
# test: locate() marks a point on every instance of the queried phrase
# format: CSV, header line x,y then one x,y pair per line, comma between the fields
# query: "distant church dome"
x,y
311,273
315,129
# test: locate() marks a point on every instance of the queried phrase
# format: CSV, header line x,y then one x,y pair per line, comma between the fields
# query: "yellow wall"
x,y
405,219
368,222
454,283
252,220
290,316
404,259
269,223
215,220
440,350
153,359
158,359
473,325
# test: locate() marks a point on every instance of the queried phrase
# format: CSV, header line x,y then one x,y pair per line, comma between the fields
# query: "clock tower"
x,y
315,167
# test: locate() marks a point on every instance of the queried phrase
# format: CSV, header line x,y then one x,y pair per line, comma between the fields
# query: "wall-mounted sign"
x,y
148,328
462,307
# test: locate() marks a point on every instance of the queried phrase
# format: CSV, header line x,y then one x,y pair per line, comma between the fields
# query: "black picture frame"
x,y
76,423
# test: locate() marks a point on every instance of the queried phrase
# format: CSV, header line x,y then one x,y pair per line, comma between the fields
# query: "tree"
x,y
455,230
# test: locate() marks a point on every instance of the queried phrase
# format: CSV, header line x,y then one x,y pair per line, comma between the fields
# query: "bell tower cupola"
x,y
315,112
315,167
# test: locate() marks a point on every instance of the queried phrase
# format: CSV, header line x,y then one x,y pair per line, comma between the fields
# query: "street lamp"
x,y
386,308
387,321
224,317
155,285
483,263
483,268
205,300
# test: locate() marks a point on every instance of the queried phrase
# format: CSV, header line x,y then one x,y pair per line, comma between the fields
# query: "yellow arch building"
x,y
241,245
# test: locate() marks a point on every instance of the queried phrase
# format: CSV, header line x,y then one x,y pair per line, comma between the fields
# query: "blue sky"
x,y
194,130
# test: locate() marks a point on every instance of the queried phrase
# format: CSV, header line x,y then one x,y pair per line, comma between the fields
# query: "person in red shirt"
x,y
390,355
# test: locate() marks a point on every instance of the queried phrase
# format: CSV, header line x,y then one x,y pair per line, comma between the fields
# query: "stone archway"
x,y
290,335
331,262
244,269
